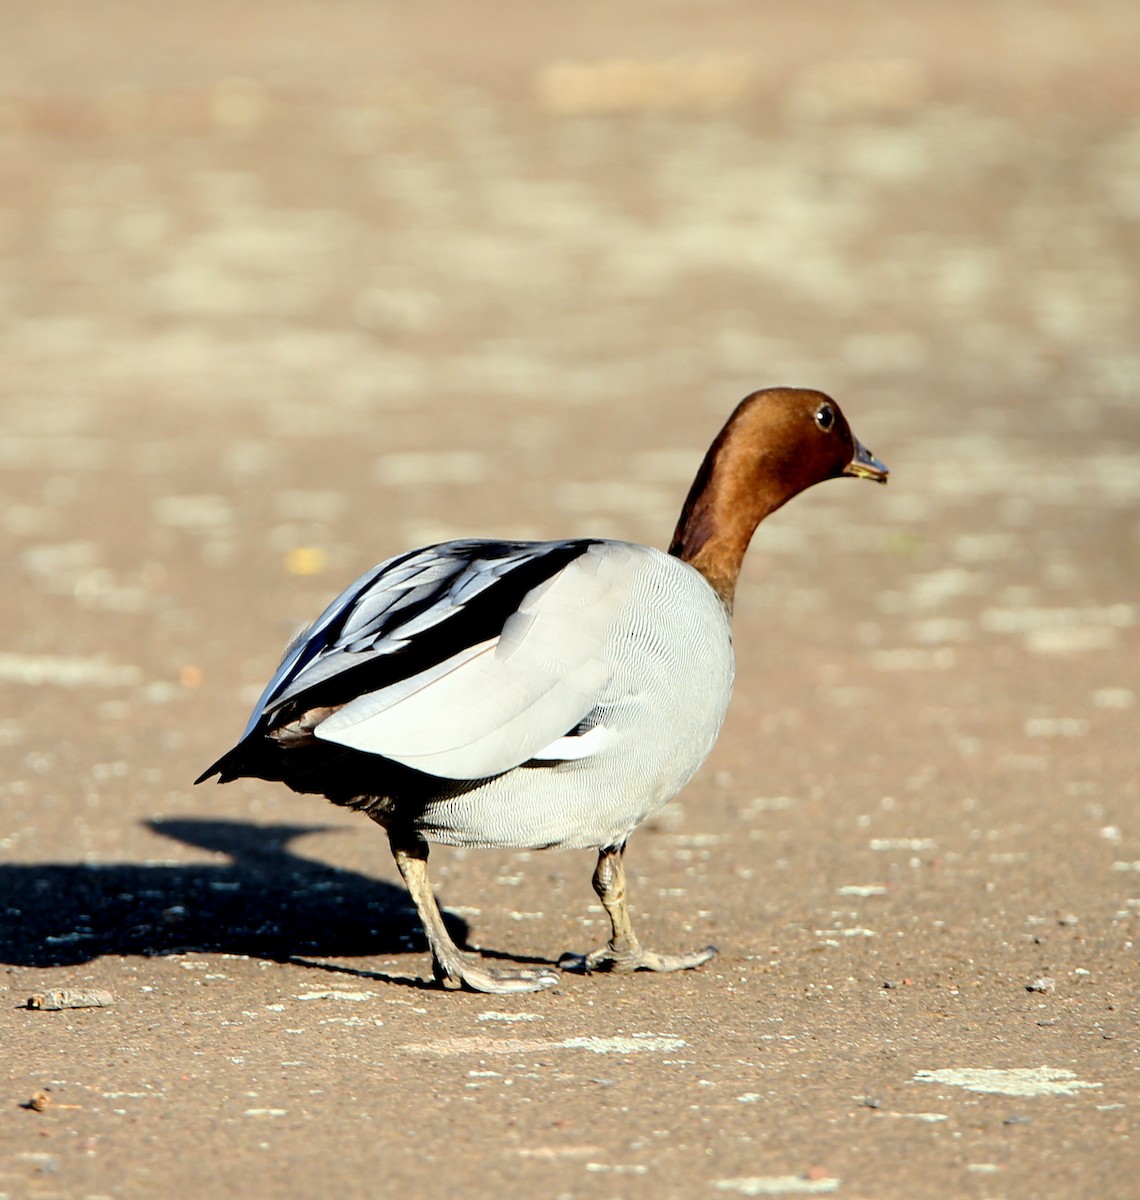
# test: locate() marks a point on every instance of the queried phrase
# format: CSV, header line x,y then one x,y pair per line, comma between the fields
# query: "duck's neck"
x,y
721,513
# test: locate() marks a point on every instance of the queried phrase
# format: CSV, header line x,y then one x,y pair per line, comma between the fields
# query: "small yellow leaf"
x,y
305,560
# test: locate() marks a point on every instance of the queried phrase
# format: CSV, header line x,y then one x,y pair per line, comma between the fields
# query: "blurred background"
x,y
286,288
289,287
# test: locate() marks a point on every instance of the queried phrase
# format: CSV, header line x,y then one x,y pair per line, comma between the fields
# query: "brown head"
x,y
776,444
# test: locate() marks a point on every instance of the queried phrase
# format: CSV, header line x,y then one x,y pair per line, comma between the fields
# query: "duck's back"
x,y
668,655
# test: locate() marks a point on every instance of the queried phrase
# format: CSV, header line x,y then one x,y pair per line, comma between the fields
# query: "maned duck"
x,y
539,695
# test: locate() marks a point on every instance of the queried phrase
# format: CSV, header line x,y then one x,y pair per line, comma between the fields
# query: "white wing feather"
x,y
498,704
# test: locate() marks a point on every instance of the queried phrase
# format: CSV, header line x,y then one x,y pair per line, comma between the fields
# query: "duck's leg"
x,y
450,965
625,952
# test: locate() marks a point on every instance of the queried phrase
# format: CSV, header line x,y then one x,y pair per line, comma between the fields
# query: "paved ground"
x,y
287,288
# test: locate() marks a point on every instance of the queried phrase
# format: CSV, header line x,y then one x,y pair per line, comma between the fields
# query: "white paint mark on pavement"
x,y
336,995
637,1043
1014,1081
777,1185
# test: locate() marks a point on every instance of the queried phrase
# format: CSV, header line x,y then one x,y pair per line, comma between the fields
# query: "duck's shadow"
x,y
266,902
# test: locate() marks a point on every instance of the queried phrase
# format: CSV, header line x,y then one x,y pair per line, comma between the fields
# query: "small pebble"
x,y
1016,1119
1043,983
41,1101
54,1001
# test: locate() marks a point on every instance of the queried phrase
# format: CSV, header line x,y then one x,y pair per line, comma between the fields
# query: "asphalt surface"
x,y
285,289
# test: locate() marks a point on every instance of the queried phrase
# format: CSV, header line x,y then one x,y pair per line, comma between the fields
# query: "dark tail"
x,y
219,769
235,764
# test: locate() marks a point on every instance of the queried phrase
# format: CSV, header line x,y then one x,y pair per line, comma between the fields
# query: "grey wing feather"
x,y
496,705
367,618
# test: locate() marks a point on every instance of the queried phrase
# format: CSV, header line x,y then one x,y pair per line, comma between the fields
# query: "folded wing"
x,y
497,703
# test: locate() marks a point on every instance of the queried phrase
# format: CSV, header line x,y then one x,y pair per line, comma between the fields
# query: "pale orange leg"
x,y
451,966
624,952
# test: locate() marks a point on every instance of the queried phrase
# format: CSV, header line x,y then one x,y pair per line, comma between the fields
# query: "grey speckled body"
x,y
669,649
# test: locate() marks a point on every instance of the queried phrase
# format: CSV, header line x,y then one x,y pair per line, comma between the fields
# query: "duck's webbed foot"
x,y
632,958
472,971
624,952
451,966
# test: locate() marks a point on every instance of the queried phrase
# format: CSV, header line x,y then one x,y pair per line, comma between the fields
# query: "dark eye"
x,y
825,417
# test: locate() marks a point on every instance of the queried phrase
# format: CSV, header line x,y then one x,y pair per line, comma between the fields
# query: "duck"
x,y
535,695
